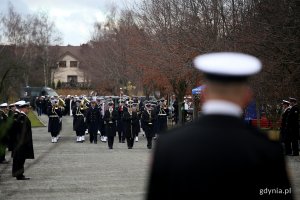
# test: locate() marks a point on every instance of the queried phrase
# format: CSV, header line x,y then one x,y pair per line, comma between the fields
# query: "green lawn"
x,y
35,122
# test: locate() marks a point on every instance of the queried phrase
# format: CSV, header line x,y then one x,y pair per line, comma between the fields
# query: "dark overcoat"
x,y
55,115
131,124
217,157
110,123
22,141
149,122
92,119
78,119
293,123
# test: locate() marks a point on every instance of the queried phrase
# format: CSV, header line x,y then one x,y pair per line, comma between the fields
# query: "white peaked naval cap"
x,y
3,105
228,64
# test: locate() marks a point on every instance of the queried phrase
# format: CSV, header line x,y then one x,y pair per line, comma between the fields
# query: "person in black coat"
x,y
92,121
148,120
292,136
110,119
78,113
22,142
55,114
131,124
220,156
162,118
4,127
120,125
283,125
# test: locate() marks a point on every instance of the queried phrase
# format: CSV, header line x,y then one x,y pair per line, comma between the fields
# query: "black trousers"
x,y
18,167
110,141
54,134
80,133
149,142
130,141
93,137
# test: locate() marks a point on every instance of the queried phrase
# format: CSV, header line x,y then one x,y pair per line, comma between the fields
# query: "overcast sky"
x,y
73,18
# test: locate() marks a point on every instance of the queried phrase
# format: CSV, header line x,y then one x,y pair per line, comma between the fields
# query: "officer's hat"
x,y
110,103
22,104
3,105
292,99
285,102
227,66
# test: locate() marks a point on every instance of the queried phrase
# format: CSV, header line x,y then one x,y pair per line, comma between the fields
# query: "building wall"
x,y
62,73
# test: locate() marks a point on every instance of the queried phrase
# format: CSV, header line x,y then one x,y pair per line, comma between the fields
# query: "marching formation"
x,y
99,116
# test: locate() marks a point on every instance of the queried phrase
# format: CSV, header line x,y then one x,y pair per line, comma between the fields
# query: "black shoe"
x,y
23,178
110,147
129,147
149,147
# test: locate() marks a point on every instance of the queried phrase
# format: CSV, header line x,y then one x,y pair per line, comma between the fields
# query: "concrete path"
x,y
69,170
72,171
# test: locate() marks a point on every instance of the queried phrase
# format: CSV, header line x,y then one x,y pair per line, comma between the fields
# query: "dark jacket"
x,y
78,119
110,123
293,123
55,115
148,122
92,119
131,124
283,126
22,141
218,157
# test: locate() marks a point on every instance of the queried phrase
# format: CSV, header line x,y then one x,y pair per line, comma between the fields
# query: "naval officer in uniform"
x,y
219,156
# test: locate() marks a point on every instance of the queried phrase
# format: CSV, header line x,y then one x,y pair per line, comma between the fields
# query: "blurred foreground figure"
x,y
220,156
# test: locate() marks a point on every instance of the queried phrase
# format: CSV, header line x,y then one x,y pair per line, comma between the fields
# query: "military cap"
x,y
22,104
227,66
3,105
292,99
285,102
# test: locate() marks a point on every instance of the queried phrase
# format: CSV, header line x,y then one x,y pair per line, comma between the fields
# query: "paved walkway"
x,y
72,171
69,170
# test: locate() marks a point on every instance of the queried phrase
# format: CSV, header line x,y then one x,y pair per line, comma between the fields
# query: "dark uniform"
x,y
162,119
3,135
78,122
148,120
283,125
292,138
92,122
110,118
131,127
220,156
54,124
120,124
22,145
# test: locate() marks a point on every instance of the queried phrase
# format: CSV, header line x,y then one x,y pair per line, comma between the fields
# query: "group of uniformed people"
x,y
289,130
101,116
16,135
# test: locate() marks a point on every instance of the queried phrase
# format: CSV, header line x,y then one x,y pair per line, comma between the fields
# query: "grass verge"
x,y
35,122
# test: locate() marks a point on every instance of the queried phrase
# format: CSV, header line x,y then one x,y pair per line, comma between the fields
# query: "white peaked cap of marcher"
x,y
20,103
228,64
3,105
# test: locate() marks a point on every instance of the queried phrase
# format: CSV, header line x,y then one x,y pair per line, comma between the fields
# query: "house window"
x,y
62,64
72,79
73,63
